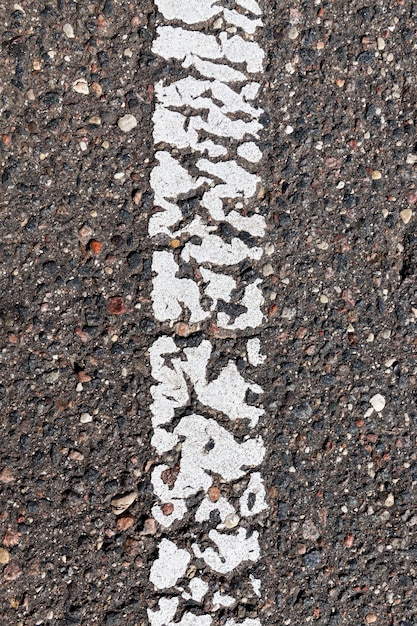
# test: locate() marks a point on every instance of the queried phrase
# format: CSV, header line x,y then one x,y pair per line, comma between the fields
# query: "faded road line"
x,y
208,232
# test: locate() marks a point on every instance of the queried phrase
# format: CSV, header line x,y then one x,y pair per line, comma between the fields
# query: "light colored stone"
x,y
389,501
4,556
381,43
86,418
231,520
406,215
293,33
378,402
68,30
6,476
376,175
122,503
81,86
127,123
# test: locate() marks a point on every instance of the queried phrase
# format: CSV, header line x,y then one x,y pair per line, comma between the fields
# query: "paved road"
x,y
208,313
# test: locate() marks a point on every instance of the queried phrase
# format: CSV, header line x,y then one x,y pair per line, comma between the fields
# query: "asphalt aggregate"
x,y
339,540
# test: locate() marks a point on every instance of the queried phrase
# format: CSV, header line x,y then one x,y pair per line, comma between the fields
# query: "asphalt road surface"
x,y
208,313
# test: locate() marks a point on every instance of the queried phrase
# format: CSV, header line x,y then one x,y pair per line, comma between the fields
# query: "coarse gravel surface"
x,y
340,538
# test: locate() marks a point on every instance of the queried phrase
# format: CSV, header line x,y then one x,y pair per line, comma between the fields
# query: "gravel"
x,y
76,320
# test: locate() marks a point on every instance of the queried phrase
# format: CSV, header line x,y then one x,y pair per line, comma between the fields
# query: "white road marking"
x,y
205,183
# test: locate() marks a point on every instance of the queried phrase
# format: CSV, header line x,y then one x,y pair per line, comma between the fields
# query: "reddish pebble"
x,y
83,377
95,246
125,522
348,541
12,571
411,197
116,306
214,494
167,508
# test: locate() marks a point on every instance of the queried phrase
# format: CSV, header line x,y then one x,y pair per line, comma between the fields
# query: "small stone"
x,y
116,306
231,520
125,522
312,559
95,120
381,43
85,233
81,86
310,531
74,455
11,538
267,270
12,571
121,503
376,175
36,65
406,215
86,418
371,618
149,527
97,88
378,402
127,123
389,501
411,197
213,494
68,30
4,556
6,476
95,246
51,377
301,548
167,508
348,541
293,33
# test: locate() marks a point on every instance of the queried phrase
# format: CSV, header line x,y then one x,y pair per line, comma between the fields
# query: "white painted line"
x,y
206,131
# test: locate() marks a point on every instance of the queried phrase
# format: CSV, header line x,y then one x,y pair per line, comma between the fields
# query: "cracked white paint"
x,y
253,348
252,502
206,183
169,566
206,448
172,391
231,550
198,589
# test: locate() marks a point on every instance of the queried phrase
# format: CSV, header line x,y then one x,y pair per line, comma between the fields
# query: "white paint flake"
x,y
169,566
256,584
167,607
198,589
220,599
253,348
169,291
252,502
190,12
232,550
250,152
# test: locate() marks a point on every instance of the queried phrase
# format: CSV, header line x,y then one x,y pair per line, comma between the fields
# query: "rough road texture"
x,y
340,541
